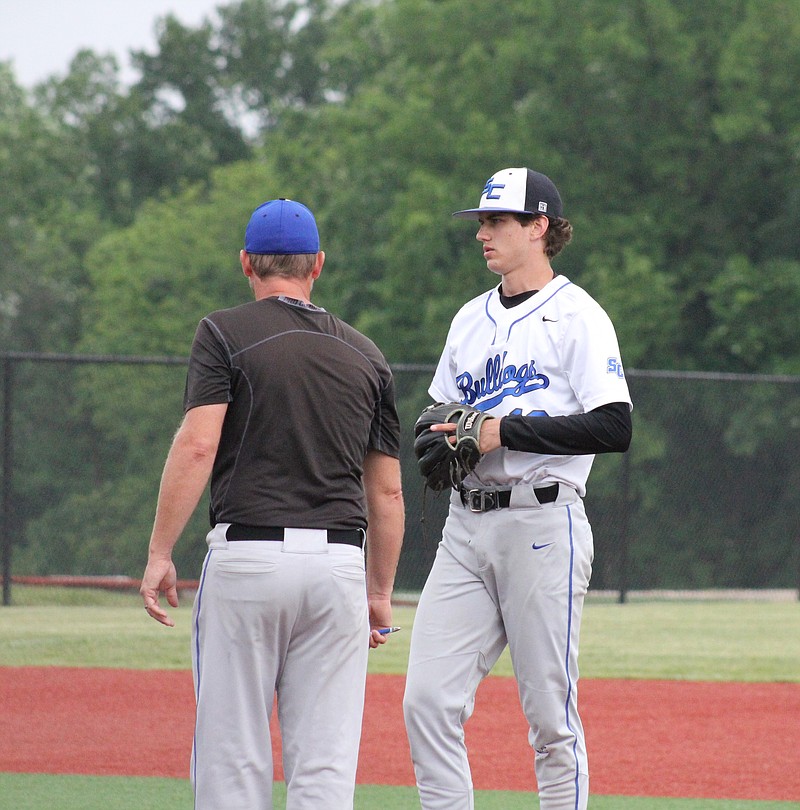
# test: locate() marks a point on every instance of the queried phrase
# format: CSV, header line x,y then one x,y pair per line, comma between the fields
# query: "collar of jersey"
x,y
296,302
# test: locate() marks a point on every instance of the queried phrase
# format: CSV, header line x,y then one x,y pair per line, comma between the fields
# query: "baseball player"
x,y
291,413
540,357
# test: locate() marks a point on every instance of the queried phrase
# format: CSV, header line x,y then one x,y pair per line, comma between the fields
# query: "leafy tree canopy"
x,y
670,126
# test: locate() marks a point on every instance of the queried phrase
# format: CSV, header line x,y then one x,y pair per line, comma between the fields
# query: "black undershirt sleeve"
x,y
606,429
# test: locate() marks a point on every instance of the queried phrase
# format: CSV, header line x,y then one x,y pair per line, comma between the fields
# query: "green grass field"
x,y
711,640
36,792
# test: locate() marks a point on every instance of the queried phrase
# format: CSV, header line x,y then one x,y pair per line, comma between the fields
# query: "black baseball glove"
x,y
442,463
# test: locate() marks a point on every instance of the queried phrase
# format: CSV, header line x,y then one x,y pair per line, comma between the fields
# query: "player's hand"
x,y
489,438
159,576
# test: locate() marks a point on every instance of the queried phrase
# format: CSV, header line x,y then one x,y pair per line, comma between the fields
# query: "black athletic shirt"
x,y
307,396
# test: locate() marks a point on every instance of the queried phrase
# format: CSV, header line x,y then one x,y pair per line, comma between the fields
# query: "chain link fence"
x,y
706,498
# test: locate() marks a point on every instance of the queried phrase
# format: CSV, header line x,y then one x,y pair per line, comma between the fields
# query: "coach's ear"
x,y
318,262
244,259
247,268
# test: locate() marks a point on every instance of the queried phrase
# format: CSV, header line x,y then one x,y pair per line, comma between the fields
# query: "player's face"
x,y
506,243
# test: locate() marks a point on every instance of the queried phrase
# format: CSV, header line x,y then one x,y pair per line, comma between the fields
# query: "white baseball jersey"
x,y
555,354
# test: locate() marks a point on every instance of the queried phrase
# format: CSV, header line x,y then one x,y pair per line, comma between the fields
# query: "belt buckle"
x,y
481,500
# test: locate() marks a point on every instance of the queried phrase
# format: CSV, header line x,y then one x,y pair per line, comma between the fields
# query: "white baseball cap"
x,y
517,191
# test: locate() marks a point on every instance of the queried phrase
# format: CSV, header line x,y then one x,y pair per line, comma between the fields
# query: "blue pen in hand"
x,y
384,631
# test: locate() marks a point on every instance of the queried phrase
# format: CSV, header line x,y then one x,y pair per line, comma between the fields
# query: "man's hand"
x,y
159,576
489,437
186,473
380,616
386,516
447,443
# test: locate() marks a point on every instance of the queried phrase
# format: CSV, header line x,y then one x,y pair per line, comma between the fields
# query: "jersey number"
x,y
518,412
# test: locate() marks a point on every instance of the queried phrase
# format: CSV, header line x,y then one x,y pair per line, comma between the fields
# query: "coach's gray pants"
x,y
285,618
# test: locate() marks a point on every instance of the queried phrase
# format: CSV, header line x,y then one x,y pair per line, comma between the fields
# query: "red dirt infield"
x,y
645,738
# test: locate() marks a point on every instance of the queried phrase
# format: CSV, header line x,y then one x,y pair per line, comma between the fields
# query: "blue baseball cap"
x,y
281,227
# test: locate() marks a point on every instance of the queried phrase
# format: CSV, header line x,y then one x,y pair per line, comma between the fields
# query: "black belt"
x,y
238,531
484,500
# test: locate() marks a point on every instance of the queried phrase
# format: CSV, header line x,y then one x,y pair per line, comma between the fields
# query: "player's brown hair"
x,y
292,265
557,236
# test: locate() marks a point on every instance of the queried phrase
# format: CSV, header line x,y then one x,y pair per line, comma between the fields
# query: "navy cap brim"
x,y
474,213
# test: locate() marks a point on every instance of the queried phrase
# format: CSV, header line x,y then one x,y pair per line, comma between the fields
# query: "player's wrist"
x,y
491,434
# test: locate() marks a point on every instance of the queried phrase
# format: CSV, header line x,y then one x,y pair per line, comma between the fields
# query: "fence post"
x,y
625,486
5,524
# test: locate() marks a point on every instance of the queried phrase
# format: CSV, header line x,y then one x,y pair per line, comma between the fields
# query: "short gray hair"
x,y
291,265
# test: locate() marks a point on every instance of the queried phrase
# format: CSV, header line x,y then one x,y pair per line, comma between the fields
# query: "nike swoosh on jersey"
x,y
536,546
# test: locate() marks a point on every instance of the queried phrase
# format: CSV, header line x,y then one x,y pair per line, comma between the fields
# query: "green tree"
x,y
181,83
152,283
271,54
132,145
48,218
669,125
623,104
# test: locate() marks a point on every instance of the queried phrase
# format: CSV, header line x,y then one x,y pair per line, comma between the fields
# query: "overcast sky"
x,y
40,37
